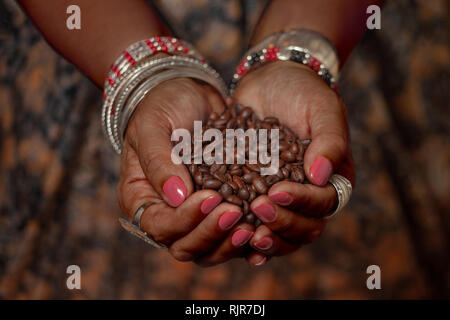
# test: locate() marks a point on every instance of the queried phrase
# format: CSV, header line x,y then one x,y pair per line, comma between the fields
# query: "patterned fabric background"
x,y
58,175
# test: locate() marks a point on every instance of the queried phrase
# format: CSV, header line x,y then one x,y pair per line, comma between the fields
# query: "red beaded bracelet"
x,y
273,53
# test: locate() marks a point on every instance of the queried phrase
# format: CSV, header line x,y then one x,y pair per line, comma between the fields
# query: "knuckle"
x,y
151,162
340,143
285,224
180,254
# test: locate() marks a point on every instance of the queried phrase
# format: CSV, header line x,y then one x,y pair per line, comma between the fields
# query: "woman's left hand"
x,y
293,213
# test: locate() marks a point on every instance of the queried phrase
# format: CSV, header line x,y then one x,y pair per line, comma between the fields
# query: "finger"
x,y
133,189
233,246
154,147
294,227
309,199
329,140
256,258
210,232
306,199
270,244
159,220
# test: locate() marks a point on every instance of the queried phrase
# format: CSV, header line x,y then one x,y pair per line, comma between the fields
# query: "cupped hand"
x,y
292,213
194,225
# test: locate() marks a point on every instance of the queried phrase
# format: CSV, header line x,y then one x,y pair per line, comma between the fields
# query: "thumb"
x,y
153,146
329,145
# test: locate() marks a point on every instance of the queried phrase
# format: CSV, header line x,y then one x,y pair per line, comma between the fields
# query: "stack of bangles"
x,y
137,71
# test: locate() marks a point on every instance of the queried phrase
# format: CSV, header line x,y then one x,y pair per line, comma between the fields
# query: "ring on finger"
x,y
343,189
134,227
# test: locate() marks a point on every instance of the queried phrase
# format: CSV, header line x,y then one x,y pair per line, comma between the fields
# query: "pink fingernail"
x,y
209,204
265,212
261,262
228,219
241,237
175,191
320,171
264,244
281,198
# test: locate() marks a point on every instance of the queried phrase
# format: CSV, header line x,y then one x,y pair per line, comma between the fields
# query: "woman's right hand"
x,y
194,225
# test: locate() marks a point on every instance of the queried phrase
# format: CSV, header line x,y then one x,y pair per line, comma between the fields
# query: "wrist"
x,y
300,46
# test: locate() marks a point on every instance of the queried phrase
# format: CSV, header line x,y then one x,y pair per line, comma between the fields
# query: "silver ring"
x,y
134,227
344,191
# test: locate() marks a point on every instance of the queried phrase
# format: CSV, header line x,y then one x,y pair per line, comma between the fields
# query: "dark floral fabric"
x,y
58,174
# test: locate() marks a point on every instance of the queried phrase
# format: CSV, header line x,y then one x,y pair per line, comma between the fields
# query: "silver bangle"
x,y
111,111
141,91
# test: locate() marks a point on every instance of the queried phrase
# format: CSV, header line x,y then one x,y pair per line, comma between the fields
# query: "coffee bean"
x,y
214,116
233,185
219,176
234,166
245,207
226,190
231,124
271,180
238,182
289,138
297,175
294,148
226,115
192,169
212,184
246,112
243,194
283,145
253,167
248,177
260,185
214,167
250,218
252,195
236,172
257,223
234,200
198,178
280,174
287,156
271,120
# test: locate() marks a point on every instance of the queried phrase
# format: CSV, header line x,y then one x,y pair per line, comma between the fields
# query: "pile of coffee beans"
x,y
240,184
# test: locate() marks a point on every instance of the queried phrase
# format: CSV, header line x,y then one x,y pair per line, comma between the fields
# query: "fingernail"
x,y
228,219
320,171
281,198
260,262
209,204
265,212
175,191
241,237
264,244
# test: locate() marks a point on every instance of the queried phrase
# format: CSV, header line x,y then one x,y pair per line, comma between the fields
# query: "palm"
x,y
289,91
